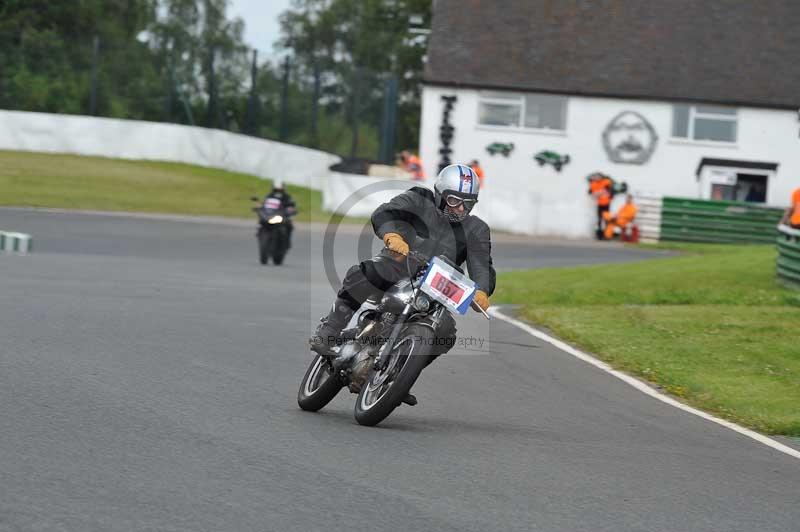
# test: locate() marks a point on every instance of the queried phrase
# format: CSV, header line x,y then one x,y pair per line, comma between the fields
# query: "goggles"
x,y
454,201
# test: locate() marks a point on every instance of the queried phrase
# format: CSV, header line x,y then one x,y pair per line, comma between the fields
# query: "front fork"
x,y
386,349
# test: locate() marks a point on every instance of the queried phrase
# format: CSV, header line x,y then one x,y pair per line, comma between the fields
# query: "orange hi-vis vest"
x,y
601,190
626,214
795,218
414,165
478,172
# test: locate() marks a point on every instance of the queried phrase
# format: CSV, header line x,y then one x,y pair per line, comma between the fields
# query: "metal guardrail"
x,y
691,220
788,263
13,242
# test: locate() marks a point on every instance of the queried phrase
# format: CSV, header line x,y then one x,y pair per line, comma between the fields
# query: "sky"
x,y
261,28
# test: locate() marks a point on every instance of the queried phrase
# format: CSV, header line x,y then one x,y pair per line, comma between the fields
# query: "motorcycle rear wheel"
x,y
319,386
384,390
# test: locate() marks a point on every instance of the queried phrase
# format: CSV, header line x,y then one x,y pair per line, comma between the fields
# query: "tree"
x,y
175,43
46,55
354,46
203,51
174,60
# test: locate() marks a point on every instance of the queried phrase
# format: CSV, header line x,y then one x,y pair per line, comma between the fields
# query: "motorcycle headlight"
x,y
422,303
275,219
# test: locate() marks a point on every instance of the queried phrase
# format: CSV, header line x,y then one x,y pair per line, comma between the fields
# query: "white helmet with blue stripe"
x,y
456,181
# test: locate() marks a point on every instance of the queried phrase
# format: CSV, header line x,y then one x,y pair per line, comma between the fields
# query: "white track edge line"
x,y
642,387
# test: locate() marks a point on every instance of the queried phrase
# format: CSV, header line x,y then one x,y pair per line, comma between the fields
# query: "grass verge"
x,y
712,326
31,179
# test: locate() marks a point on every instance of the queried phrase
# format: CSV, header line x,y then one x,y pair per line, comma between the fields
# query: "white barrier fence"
x,y
360,195
13,242
135,139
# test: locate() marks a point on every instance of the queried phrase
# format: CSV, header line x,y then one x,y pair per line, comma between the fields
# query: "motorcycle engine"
x,y
360,369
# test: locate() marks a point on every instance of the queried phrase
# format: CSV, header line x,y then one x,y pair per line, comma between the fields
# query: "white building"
x,y
679,98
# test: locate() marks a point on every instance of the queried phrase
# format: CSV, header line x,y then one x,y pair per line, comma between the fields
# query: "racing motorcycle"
x,y
387,342
273,230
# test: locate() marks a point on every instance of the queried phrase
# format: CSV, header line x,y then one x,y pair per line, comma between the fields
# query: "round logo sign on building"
x,y
629,138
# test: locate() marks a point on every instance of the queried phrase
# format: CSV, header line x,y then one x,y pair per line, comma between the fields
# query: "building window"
x,y
704,122
528,111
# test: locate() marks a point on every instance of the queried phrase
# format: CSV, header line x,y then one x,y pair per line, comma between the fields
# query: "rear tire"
x,y
318,387
383,392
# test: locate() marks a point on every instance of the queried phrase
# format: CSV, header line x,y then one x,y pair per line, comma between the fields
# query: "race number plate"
x,y
447,286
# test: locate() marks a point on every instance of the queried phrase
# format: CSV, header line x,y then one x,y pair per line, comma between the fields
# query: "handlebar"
x,y
478,308
416,255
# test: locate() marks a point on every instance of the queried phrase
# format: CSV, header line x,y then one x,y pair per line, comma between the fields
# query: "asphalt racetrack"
x,y
148,380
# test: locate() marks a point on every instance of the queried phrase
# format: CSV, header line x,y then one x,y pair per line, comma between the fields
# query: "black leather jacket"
x,y
414,215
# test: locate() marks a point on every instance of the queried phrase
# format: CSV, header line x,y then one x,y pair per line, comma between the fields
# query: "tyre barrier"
x,y
12,242
788,263
648,219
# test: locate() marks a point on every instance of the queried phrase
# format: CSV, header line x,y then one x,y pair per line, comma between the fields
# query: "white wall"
x,y
134,139
360,195
521,196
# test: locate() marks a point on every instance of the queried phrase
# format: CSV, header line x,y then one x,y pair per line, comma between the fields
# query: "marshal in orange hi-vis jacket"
x,y
794,212
625,215
476,167
413,164
600,188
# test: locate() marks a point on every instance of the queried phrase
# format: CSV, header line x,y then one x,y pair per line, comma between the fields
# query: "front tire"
x,y
263,246
280,247
384,391
319,386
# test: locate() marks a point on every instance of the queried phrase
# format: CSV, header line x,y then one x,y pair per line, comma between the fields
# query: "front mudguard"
x,y
443,325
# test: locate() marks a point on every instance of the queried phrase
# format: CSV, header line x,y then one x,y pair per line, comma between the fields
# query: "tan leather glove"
x,y
395,243
481,299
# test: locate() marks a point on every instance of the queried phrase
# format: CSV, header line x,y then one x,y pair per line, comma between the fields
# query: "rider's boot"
x,y
329,331
410,400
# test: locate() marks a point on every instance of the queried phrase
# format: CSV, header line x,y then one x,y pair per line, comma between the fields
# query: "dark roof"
x,y
756,165
697,50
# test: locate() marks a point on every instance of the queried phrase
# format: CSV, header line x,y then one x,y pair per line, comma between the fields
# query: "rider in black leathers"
x,y
431,223
287,204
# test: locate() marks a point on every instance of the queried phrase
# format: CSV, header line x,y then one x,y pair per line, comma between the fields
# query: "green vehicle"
x,y
500,147
552,158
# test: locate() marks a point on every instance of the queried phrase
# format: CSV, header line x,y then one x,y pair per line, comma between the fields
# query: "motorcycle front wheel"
x,y
263,246
384,390
319,386
281,246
